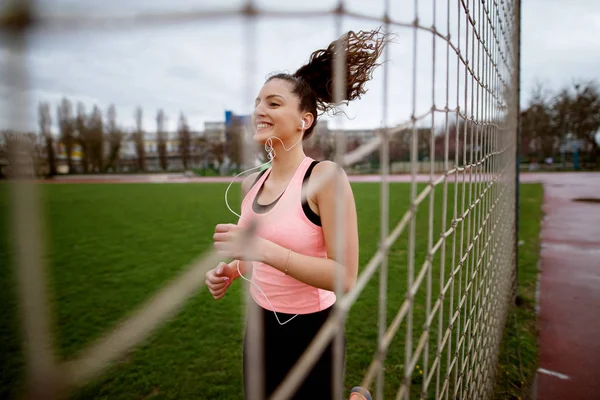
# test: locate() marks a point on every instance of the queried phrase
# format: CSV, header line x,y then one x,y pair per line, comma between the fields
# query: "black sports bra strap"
x,y
309,170
310,214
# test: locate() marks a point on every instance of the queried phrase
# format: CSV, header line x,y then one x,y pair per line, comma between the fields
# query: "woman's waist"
x,y
269,278
286,293
292,301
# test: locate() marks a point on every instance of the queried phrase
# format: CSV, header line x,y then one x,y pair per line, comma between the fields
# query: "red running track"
x,y
569,293
179,178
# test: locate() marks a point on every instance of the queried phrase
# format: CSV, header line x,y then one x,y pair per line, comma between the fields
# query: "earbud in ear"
x,y
303,124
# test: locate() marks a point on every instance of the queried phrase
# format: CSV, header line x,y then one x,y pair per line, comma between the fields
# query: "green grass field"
x,y
518,357
110,246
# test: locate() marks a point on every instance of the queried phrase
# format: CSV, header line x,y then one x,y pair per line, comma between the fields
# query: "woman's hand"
x,y
219,279
231,243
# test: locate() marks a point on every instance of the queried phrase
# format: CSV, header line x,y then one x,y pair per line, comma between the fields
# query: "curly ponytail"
x,y
314,81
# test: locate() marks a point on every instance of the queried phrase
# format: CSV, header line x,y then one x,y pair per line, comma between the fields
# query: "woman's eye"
x,y
273,104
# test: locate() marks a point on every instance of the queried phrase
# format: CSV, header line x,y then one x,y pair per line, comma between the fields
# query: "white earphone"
x,y
303,124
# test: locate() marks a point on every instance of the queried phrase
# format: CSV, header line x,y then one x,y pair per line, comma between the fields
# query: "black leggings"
x,y
283,346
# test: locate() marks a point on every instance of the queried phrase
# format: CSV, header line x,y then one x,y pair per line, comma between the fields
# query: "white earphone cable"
x,y
270,155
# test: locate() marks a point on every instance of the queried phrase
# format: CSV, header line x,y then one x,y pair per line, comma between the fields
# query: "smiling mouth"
x,y
262,126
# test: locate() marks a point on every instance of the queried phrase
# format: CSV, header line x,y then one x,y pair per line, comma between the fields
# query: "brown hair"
x,y
314,81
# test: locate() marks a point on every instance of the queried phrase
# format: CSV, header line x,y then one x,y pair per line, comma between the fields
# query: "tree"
x,y
217,149
45,122
66,126
203,149
115,139
4,156
579,110
540,126
537,131
574,112
96,134
138,138
83,137
185,141
459,141
21,151
161,137
398,148
234,132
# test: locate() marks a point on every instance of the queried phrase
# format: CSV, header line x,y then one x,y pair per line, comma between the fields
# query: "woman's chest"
x,y
287,225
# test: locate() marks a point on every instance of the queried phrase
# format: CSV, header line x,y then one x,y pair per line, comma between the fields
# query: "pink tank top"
x,y
287,225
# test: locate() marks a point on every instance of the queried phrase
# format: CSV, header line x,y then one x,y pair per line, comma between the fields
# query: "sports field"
x,y
112,245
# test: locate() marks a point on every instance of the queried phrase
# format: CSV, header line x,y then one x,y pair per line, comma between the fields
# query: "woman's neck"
x,y
285,163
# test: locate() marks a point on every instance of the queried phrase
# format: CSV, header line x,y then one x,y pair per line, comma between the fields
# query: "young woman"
x,y
293,261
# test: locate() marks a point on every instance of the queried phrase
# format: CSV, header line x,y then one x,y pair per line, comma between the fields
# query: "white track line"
x,y
553,373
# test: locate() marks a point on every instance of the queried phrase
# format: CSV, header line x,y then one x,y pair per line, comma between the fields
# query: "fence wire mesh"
x,y
465,281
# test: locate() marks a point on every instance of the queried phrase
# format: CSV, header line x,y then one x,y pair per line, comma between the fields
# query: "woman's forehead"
x,y
277,87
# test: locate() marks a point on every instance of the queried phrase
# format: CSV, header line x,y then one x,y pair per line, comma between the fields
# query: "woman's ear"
x,y
307,120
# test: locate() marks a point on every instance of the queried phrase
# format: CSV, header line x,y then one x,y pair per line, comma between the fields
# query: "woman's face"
x,y
277,113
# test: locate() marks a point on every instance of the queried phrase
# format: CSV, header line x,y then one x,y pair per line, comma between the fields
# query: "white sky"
x,y
203,67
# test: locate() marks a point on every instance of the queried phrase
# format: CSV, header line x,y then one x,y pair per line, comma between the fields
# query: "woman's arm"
x,y
317,271
245,266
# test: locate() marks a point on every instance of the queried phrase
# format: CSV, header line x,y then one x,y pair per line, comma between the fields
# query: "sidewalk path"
x,y
569,297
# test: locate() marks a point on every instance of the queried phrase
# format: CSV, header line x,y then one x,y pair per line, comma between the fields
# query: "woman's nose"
x,y
259,110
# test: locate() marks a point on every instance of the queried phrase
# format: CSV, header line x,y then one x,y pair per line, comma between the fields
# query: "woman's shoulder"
x,y
324,175
329,170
